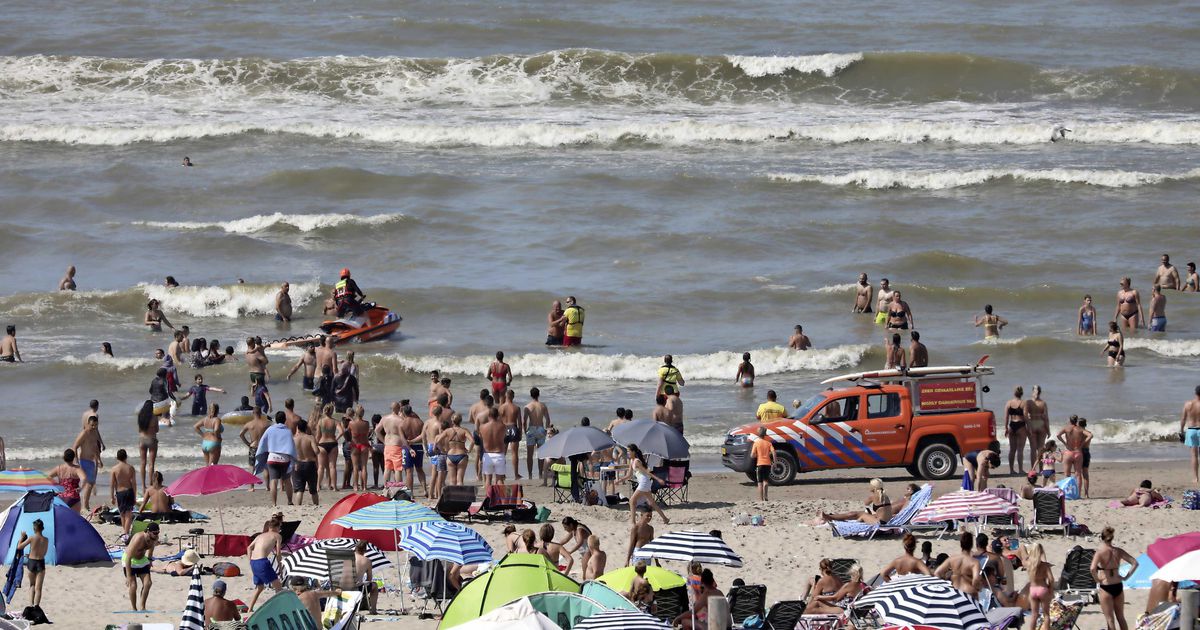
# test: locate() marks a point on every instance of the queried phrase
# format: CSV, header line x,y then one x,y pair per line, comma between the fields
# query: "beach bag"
x,y
543,515
527,513
226,569
1191,499
753,622
1069,487
34,615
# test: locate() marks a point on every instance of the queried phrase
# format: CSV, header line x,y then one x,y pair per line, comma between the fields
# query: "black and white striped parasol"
x,y
924,600
689,545
621,620
311,561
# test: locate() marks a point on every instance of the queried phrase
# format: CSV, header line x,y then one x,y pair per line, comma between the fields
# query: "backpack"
x,y
34,615
226,569
1191,499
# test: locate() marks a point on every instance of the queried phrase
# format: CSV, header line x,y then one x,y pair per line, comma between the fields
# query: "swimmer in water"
x,y
106,348
862,295
1060,133
1158,310
799,340
745,373
68,281
1086,324
8,346
154,317
1191,283
1129,306
1114,348
170,282
187,161
1167,275
991,322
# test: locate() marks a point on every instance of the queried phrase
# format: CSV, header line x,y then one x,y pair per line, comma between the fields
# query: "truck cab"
x,y
921,419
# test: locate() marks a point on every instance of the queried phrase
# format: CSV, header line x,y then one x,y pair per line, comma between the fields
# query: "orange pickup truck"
x,y
921,419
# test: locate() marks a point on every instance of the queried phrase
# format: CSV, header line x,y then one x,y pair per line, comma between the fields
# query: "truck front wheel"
x,y
784,470
937,461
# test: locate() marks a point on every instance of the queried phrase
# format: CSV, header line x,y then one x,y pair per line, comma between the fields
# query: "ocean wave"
x,y
264,222
827,64
18,454
604,133
942,180
626,367
117,363
836,288
233,301
1166,347
1121,431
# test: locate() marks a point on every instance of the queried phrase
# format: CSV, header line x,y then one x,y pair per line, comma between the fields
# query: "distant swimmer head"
x,y
170,282
187,161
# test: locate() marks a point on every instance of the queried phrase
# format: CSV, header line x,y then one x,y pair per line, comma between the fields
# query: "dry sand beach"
x,y
782,554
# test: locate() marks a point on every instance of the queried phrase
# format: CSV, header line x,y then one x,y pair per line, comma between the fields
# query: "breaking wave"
x,y
264,222
942,180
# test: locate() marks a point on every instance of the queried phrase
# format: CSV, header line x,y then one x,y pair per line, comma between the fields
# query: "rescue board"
x,y
940,370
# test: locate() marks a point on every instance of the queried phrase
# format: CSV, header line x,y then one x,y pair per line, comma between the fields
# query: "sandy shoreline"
x,y
781,554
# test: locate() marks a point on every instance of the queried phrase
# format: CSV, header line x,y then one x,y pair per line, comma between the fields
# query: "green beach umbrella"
x,y
515,576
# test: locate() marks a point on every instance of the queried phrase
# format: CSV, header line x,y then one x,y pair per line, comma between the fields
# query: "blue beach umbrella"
x,y
443,540
388,515
1141,577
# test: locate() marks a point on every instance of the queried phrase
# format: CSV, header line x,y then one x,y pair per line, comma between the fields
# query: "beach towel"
x,y
1165,503
967,482
16,572
276,439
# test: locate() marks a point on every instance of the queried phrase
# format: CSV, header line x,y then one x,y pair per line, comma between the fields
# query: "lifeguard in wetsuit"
x,y
347,295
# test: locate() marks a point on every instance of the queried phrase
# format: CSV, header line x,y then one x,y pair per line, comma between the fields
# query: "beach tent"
x,y
383,540
515,576
604,595
565,609
519,615
72,539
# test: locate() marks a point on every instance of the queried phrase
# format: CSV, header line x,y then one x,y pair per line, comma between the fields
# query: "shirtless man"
x,y
217,608
1166,277
555,324
918,354
1158,310
136,563
862,295
1129,306
477,412
597,558
414,434
293,418
640,535
123,491
500,375
261,566
256,362
492,434
326,355
963,569
895,357
660,413
177,348
8,346
283,304
435,387
87,449
311,598
437,422
250,434
674,407
35,562
1189,429
360,451
390,432
308,361
157,500
68,281
882,298
93,409
510,415
799,340
535,420
305,473
479,417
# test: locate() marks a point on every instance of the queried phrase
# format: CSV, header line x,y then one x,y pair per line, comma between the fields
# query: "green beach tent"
x,y
515,576
658,577
604,595
565,609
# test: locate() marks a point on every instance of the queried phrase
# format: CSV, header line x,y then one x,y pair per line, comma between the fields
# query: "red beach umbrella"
x,y
384,540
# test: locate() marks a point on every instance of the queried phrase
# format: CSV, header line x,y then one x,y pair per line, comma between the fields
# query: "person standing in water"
x,y
68,281
799,340
882,298
669,376
1086,322
1129,306
283,304
554,325
572,320
1189,429
147,426
918,354
1114,348
1191,283
745,373
1158,310
500,375
154,319
8,346
1167,275
899,314
896,357
862,295
991,322
1016,431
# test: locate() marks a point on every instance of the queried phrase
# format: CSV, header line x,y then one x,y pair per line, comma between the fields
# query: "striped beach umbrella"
x,y
394,515
962,505
193,611
312,562
689,545
621,620
22,480
443,540
924,600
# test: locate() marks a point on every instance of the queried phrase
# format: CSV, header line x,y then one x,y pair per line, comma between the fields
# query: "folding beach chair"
x,y
821,622
1049,511
562,483
842,566
1063,616
669,603
455,500
1004,522
342,611
1076,583
747,601
1002,618
900,522
1164,617
675,490
784,615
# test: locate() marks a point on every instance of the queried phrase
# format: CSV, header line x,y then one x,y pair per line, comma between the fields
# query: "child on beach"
x,y
35,563
1049,457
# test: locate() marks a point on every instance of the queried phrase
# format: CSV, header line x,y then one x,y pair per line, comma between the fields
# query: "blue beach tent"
x,y
73,540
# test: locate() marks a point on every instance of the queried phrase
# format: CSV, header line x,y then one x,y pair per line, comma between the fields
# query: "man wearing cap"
x,y
347,295
217,608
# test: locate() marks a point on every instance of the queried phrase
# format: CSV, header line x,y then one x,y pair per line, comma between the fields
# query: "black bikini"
x,y
1015,425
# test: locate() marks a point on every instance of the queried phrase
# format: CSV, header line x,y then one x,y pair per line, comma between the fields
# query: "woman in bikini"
x,y
991,323
978,465
1015,429
899,315
456,443
822,585
1129,306
327,441
1085,324
1041,584
1191,281
577,538
1114,348
155,319
1037,419
210,428
878,510
1106,569
897,358
837,603
70,476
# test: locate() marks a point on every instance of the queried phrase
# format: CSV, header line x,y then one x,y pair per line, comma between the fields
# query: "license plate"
x,y
724,451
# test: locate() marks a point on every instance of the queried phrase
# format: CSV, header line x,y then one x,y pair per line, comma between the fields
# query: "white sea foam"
x,y
1166,347
233,301
836,288
827,64
941,180
576,365
999,341
117,363
1121,431
263,222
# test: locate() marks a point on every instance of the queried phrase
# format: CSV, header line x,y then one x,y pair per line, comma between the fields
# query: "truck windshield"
x,y
809,405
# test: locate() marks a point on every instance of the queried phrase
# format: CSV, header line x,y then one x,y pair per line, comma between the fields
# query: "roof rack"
x,y
914,374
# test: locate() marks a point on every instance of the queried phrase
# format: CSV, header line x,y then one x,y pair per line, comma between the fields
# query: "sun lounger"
x,y
1076,583
784,614
900,523
747,601
669,603
1049,511
455,500
1164,617
1001,618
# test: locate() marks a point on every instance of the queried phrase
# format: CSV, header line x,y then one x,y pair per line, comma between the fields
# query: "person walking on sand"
x,y
123,491
745,372
1085,323
862,295
35,560
87,448
799,340
918,354
763,453
643,490
535,419
263,569
1189,432
1129,306
510,415
8,346
1158,310
136,562
991,323
389,433
68,281
640,534
1106,570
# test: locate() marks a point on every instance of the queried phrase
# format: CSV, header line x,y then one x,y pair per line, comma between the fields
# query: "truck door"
x,y
836,437
885,427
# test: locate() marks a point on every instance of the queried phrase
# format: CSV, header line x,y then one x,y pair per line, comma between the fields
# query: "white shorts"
x,y
494,464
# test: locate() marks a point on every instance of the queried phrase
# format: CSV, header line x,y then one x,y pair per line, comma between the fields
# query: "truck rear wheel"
x,y
937,461
784,470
